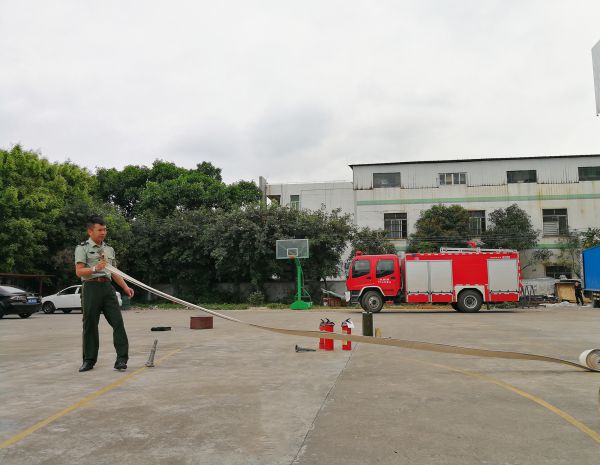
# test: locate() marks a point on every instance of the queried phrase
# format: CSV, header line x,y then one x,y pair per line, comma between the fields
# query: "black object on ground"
x,y
160,328
367,324
304,349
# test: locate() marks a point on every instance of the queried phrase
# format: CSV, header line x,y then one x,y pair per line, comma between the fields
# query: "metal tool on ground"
x,y
296,250
347,326
391,342
160,328
304,349
150,362
367,327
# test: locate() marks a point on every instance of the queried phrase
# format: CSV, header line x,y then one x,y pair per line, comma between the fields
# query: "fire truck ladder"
x,y
471,249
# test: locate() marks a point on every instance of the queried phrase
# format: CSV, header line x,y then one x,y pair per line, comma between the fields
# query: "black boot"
x,y
86,366
120,365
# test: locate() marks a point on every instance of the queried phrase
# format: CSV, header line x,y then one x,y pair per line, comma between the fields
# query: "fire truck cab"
x,y
463,278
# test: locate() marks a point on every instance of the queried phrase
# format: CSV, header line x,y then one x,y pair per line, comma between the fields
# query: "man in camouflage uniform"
x,y
98,295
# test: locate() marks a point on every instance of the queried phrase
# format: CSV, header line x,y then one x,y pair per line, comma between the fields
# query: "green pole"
x,y
300,283
300,304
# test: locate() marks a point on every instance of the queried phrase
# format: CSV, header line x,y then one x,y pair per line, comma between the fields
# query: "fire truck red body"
x,y
463,278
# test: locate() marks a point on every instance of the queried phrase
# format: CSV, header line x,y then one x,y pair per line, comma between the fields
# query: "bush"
x,y
256,299
278,306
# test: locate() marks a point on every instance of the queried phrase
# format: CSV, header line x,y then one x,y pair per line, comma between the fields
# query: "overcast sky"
x,y
297,90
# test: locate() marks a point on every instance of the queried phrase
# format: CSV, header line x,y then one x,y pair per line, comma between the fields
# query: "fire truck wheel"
x,y
372,302
454,305
469,301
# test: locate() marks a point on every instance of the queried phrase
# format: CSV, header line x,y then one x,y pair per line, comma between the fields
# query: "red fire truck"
x,y
463,278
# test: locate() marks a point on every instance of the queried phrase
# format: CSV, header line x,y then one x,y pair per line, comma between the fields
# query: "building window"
x,y
452,178
386,180
395,225
477,222
589,173
556,271
295,201
555,222
513,177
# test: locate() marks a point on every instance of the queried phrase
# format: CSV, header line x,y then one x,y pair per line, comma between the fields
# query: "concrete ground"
x,y
239,395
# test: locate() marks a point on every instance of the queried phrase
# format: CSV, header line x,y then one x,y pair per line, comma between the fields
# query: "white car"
x,y
67,300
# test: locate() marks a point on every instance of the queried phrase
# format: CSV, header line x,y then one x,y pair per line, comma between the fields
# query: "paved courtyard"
x,y
239,395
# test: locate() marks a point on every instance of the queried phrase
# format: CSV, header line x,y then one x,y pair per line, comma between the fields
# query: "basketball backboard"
x,y
287,248
596,64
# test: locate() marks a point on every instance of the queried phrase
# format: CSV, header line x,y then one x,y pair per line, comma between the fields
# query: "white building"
x,y
559,193
314,196
596,66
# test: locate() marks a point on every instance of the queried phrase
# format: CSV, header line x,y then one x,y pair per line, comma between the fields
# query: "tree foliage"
x,y
370,242
195,249
537,256
168,225
590,238
572,244
440,226
510,228
164,188
35,196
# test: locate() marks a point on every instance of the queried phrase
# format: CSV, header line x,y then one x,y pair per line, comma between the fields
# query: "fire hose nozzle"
x,y
303,349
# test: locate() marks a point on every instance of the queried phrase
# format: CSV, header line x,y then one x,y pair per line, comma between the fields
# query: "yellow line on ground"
x,y
80,403
547,405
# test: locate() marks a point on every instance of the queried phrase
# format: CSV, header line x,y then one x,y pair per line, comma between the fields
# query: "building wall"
x,y
314,196
596,67
486,188
484,172
557,187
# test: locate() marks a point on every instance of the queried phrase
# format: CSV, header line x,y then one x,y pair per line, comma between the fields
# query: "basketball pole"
x,y
300,304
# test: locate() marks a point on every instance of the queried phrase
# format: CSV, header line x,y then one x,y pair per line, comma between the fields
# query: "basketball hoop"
x,y
295,250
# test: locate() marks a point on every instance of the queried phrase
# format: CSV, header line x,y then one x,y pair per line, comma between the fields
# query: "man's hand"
x,y
100,265
129,292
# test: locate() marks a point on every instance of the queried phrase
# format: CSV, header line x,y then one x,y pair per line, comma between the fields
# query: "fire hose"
x,y
588,360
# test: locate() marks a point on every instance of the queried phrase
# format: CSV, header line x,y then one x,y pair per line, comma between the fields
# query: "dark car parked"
x,y
15,301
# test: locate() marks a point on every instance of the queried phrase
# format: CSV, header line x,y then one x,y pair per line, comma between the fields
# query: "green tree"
x,y
570,252
510,228
165,188
122,189
34,198
172,250
242,243
370,242
590,238
537,256
440,226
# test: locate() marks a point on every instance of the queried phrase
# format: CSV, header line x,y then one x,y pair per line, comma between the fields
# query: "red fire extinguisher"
x,y
328,343
347,326
322,328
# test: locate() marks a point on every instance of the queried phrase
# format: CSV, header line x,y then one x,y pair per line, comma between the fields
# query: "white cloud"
x,y
256,87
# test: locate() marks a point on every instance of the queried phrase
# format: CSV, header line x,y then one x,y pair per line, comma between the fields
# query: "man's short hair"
x,y
95,219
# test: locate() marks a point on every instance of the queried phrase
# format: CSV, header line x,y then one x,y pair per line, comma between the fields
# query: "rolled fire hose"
x,y
588,360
